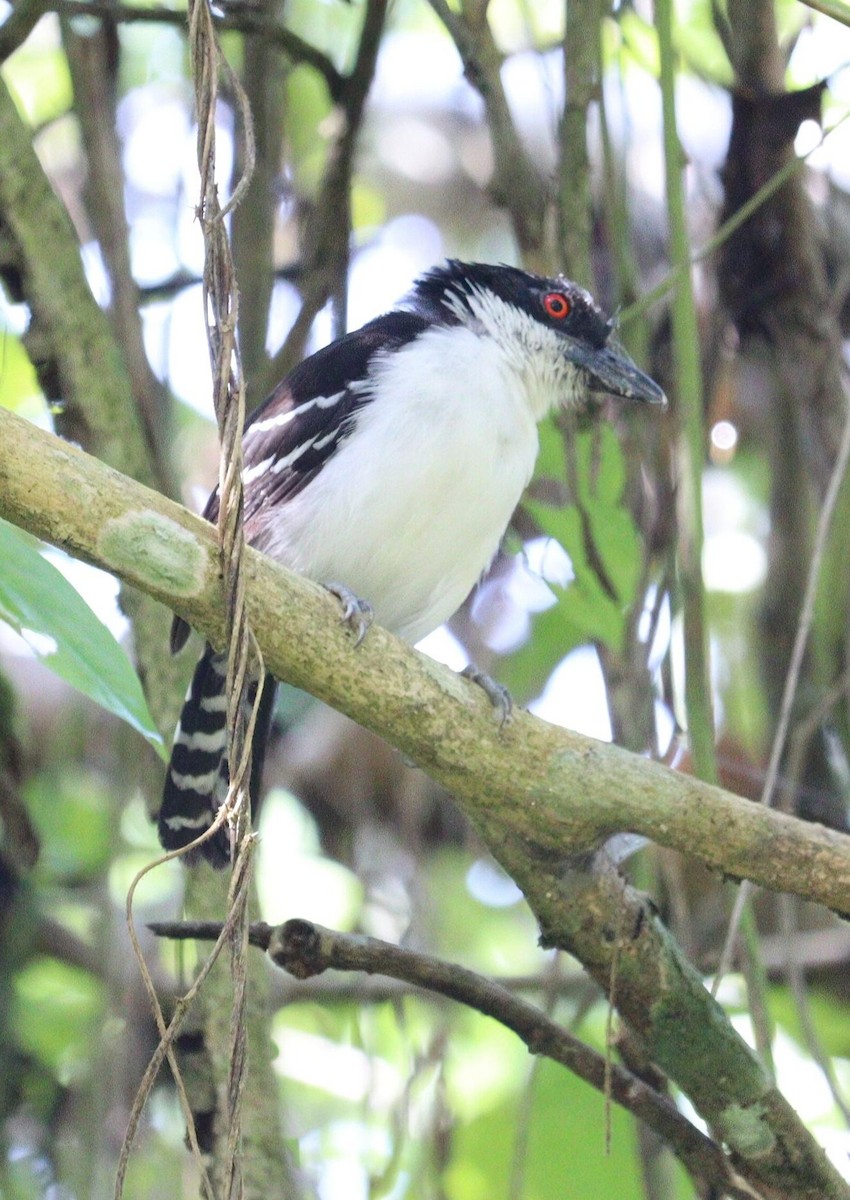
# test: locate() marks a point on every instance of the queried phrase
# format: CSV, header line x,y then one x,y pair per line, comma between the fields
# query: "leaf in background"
x,y
19,387
601,467
565,1120
620,550
585,607
601,483
525,672
54,620
551,457
40,82
600,539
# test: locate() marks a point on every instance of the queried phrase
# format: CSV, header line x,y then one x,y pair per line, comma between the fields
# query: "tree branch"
x,y
535,793
566,792
254,220
304,950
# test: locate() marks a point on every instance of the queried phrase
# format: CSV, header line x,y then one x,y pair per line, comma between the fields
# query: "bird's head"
x,y
549,327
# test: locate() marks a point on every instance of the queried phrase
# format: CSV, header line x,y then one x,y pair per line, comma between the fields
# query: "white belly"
x,y
446,462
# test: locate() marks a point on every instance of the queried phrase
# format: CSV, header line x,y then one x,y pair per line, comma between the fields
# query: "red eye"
x,y
557,305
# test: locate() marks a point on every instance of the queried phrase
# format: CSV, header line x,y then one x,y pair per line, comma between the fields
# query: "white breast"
x,y
410,510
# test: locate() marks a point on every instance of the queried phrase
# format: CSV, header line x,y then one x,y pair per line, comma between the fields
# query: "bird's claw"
x,y
357,614
496,692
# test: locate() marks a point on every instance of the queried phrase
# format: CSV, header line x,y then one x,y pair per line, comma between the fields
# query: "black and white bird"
x,y
392,460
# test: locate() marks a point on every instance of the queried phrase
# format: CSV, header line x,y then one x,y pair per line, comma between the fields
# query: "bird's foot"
x,y
357,614
496,692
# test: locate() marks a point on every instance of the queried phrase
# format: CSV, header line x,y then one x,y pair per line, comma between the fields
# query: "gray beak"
x,y
610,369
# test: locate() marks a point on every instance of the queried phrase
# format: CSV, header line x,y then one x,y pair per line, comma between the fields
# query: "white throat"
x,y
532,352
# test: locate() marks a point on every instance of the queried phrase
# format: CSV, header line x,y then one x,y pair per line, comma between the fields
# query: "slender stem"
x,y
688,414
581,87
792,677
837,9
615,201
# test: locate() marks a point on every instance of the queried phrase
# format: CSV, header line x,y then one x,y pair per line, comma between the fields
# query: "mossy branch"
x,y
559,790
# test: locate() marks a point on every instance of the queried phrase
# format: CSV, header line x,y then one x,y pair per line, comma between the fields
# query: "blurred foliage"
x,y
600,538
57,625
398,1097
39,77
20,390
71,1008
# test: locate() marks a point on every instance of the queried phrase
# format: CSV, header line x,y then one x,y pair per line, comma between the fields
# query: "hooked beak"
x,y
610,369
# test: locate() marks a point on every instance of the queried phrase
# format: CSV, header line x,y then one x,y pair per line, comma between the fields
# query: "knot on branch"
x,y
296,946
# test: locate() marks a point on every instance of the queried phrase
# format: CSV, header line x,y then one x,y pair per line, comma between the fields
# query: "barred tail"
x,y
196,783
197,779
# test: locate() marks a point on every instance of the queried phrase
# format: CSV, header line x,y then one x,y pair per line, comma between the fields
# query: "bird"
x,y
388,464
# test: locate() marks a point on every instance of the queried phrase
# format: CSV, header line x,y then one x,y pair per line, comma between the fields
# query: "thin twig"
x,y
795,977
582,70
789,929
516,182
792,677
93,79
167,1035
221,308
244,21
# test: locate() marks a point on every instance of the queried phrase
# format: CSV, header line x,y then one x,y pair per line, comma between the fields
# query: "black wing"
x,y
294,432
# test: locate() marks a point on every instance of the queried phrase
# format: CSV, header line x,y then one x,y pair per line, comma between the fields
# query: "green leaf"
x,y
37,601
589,614
563,523
600,516
585,609
40,82
308,102
75,822
601,471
